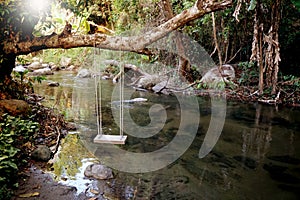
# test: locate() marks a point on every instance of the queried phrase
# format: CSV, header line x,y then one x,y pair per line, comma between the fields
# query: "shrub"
x,y
14,133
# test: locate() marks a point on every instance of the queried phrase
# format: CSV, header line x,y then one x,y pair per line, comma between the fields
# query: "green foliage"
x,y
80,56
295,81
297,4
134,15
27,81
14,132
22,60
221,85
249,75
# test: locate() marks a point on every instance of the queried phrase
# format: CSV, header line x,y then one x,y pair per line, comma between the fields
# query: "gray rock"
x,y
54,67
65,62
41,153
53,84
45,65
84,73
40,72
98,171
35,65
19,69
36,59
216,75
159,86
71,68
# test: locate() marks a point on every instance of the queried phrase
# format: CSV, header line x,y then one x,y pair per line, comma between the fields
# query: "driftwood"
x,y
271,101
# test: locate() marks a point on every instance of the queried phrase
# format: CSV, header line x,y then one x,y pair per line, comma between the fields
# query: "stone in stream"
x,y
84,73
53,84
40,72
216,75
65,62
35,65
98,171
42,153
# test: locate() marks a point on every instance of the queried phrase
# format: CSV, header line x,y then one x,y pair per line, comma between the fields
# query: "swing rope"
x,y
103,138
98,93
121,99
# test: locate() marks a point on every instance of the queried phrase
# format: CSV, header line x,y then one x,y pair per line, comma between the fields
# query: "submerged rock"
x,y
53,84
98,171
42,153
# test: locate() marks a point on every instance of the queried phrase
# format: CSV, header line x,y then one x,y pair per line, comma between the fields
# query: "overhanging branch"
x,y
133,43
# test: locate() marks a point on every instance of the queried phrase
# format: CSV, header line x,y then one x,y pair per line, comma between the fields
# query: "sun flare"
x,y
38,5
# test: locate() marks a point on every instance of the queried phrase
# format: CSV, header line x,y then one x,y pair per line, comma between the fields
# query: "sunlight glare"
x,y
37,5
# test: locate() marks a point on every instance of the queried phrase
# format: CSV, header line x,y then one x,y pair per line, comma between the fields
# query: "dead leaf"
x,y
27,195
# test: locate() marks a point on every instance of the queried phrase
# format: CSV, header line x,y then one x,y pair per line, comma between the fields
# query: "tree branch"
x,y
133,43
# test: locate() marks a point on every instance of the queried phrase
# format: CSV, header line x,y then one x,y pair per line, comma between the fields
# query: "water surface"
x,y
256,157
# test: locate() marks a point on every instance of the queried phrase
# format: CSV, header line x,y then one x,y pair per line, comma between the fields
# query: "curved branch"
x,y
133,43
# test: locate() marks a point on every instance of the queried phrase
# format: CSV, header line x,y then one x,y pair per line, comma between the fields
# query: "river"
x,y
256,155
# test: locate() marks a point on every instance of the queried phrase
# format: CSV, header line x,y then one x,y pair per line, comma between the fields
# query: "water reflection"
x,y
256,157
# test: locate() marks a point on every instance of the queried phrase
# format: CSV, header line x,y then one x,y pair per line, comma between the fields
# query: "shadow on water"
x,y
256,157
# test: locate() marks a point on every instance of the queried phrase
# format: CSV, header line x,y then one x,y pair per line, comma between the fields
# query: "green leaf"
x,y
3,158
296,4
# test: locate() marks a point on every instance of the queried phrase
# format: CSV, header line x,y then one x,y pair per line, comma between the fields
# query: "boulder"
x,y
216,75
41,72
159,87
19,69
65,62
84,73
14,107
35,65
36,59
71,68
98,171
45,65
147,82
41,153
54,67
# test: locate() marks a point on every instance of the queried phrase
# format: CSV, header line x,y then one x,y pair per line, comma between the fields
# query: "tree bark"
x,y
5,70
272,52
257,45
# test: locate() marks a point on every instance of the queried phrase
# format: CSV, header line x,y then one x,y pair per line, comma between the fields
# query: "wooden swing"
x,y
104,138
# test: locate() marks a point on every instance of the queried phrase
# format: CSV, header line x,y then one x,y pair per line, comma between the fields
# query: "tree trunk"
x,y
184,66
272,52
6,66
265,46
257,46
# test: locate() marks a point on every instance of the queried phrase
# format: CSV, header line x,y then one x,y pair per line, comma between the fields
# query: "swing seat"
x,y
110,139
